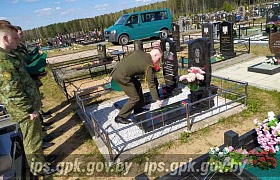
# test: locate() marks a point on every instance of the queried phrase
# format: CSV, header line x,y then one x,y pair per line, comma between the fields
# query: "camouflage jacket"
x,y
22,54
18,91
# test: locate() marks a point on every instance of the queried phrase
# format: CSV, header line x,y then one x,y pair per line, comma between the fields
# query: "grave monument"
x,y
199,56
101,51
226,40
170,68
207,32
176,36
271,65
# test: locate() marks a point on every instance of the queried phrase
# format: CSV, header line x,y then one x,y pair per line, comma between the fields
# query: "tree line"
x,y
177,8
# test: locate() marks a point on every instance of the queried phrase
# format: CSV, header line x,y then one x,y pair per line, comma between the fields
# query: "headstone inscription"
x,y
199,56
207,32
274,44
226,39
176,36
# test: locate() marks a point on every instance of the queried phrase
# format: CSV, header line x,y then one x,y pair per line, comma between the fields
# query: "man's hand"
x,y
159,103
34,115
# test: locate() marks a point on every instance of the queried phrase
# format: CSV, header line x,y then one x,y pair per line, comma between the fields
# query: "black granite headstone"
x,y
226,39
262,12
162,119
170,67
199,56
231,18
207,32
272,14
231,138
101,51
138,45
176,36
218,17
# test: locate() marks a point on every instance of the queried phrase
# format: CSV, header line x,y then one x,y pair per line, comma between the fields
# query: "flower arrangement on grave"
x,y
263,159
219,57
226,159
194,77
270,24
268,133
271,61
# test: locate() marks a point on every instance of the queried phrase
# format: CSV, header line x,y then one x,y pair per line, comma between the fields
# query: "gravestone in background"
x,y
176,36
207,32
226,39
231,18
262,12
101,51
241,11
170,68
196,19
272,14
218,17
138,45
274,44
199,56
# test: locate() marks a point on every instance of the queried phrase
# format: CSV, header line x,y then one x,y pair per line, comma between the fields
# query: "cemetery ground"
x,y
72,140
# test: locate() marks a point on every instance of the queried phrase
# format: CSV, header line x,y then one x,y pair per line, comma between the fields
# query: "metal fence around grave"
x,y
230,94
68,74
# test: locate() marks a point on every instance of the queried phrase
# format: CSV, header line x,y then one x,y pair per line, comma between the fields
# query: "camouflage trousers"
x,y
32,142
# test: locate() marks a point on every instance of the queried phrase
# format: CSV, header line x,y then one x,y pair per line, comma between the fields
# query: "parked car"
x,y
140,25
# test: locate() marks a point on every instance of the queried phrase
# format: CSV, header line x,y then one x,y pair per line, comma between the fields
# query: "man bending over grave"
x,y
137,63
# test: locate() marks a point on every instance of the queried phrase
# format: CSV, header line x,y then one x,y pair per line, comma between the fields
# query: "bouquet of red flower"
x,y
263,159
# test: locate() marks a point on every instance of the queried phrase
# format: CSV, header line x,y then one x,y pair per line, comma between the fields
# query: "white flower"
x,y
255,121
226,150
199,77
221,154
217,149
212,151
270,115
183,77
191,77
266,120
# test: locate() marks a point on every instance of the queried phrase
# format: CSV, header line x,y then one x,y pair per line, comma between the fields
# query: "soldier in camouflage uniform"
x,y
20,96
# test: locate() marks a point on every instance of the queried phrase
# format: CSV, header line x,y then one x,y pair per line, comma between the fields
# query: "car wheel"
x,y
123,40
163,33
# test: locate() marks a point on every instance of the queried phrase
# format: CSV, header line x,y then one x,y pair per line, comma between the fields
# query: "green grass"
x,y
184,138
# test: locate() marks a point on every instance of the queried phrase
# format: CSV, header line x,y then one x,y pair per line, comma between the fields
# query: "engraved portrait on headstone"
x,y
167,53
196,49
